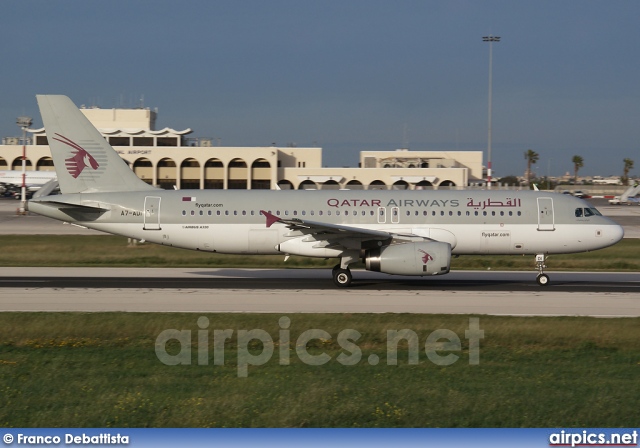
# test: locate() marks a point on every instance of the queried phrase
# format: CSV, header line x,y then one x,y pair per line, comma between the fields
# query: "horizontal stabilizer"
x,y
79,212
46,189
88,208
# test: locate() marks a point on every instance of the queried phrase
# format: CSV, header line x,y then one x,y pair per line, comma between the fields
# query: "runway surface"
x,y
312,291
309,291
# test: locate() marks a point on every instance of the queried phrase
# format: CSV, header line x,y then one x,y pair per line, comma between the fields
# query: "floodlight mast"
x,y
491,39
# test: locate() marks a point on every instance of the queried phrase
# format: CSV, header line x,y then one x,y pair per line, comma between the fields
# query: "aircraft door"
x,y
545,214
395,215
151,213
382,215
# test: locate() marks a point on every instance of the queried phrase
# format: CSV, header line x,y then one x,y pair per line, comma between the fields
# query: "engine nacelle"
x,y
423,258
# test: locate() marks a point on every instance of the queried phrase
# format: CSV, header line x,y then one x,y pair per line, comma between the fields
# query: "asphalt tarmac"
x,y
312,291
307,279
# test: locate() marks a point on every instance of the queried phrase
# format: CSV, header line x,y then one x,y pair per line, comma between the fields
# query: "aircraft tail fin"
x,y
84,160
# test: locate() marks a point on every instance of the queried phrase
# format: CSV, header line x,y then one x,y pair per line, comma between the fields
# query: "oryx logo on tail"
x,y
426,257
80,160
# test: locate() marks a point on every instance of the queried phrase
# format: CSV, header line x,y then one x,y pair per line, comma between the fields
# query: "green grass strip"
x,y
114,251
101,370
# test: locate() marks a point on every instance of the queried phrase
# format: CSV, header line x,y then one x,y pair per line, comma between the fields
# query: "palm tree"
x,y
531,157
628,166
578,162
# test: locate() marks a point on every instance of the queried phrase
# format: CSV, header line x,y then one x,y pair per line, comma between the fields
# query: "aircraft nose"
x,y
615,232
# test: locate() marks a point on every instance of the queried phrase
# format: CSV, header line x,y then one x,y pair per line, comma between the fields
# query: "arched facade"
x,y
330,185
143,169
166,173
45,164
307,185
168,158
260,175
424,185
214,174
204,169
189,174
377,185
17,163
446,184
284,184
354,185
237,177
400,185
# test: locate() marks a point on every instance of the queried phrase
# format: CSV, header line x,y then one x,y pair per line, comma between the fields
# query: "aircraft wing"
x,y
337,234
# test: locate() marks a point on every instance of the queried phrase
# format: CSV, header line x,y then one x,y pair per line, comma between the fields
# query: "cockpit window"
x,y
586,212
595,211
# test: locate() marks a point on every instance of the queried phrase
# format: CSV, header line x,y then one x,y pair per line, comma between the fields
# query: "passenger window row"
x,y
364,213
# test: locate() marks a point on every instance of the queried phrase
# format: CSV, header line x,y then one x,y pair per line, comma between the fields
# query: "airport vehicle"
x,y
395,232
629,197
15,192
580,194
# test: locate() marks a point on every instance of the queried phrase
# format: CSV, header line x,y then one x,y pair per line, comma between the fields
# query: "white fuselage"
x,y
32,179
472,222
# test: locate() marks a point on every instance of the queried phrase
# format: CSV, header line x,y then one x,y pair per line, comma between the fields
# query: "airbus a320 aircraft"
x,y
396,232
33,180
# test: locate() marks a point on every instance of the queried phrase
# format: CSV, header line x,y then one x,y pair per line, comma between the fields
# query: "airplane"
x,y
33,179
412,232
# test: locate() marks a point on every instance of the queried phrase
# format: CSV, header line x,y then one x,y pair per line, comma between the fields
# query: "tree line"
x,y
532,158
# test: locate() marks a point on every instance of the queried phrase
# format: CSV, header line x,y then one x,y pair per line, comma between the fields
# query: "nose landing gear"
x,y
542,278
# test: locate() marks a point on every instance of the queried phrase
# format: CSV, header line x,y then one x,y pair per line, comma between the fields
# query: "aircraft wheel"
x,y
335,268
543,279
342,277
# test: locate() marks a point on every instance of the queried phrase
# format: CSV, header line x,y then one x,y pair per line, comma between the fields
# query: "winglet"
x,y
271,219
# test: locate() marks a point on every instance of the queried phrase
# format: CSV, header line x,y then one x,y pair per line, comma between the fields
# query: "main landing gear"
x,y
542,278
341,274
341,277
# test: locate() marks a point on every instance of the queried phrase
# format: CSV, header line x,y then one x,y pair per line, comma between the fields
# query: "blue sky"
x,y
346,75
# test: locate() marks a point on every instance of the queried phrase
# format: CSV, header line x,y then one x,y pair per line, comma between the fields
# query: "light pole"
x,y
491,39
24,123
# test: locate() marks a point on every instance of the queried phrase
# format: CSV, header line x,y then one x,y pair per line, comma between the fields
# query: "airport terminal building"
x,y
168,158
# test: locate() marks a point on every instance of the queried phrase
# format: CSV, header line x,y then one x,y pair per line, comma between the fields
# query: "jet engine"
x,y
416,258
